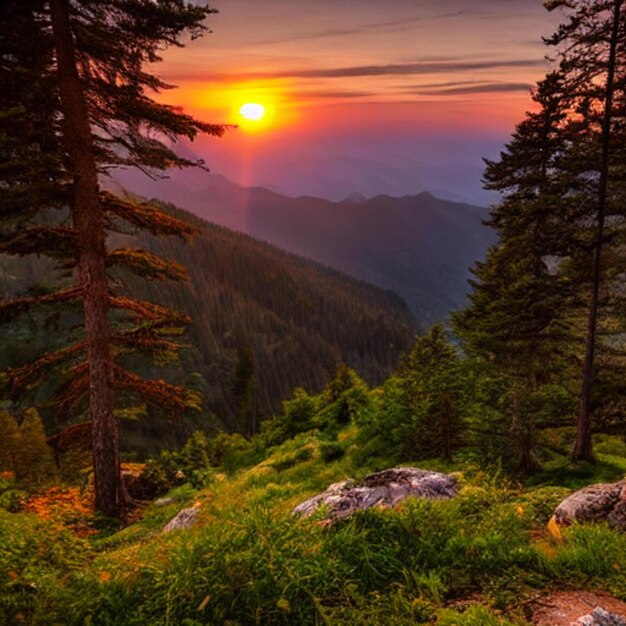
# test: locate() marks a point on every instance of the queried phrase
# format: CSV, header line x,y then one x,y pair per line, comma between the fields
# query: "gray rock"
x,y
602,502
386,488
600,617
163,501
183,520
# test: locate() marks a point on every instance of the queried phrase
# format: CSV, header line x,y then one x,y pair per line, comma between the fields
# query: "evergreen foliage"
x,y
422,410
24,450
240,292
592,57
554,281
81,106
33,459
8,441
344,398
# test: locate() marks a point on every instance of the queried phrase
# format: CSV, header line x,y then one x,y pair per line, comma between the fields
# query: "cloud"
x,y
399,69
470,89
373,26
393,69
333,94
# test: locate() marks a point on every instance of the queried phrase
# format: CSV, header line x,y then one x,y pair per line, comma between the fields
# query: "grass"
x,y
249,562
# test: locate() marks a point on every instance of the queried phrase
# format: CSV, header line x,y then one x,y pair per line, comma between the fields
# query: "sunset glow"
x,y
356,95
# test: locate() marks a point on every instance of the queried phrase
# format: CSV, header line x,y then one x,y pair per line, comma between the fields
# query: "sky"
x,y
376,96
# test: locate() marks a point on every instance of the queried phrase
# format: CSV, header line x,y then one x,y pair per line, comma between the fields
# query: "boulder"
x,y
183,520
596,503
386,488
600,617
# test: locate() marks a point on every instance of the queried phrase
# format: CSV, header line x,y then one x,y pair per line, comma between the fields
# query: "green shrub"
x,y
36,561
297,417
475,615
591,551
11,500
332,451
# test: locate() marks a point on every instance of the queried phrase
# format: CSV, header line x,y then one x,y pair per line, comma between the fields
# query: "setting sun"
x,y
252,111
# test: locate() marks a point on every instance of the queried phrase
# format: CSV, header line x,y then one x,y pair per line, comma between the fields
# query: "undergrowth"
x,y
248,561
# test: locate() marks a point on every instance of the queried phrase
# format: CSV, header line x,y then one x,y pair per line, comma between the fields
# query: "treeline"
x,y
544,336
438,404
547,308
264,323
269,320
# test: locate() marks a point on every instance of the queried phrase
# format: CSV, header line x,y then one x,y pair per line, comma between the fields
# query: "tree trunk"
x,y
89,224
583,449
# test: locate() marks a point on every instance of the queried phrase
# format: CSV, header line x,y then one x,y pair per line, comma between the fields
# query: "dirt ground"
x,y
564,608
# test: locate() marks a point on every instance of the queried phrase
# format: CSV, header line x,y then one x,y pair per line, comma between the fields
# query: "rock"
x,y
572,608
596,503
600,617
386,488
163,501
183,520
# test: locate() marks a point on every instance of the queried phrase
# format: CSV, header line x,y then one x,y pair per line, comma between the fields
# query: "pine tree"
x,y
432,391
517,317
34,462
8,441
592,50
87,69
244,394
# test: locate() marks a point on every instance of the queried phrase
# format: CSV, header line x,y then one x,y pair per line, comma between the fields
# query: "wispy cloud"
x,y
365,28
470,89
397,69
329,94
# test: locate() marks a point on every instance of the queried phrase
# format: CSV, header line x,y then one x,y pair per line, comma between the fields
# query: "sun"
x,y
252,111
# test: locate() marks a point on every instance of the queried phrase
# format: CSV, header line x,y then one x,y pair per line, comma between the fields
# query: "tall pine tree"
x,y
76,103
516,319
591,47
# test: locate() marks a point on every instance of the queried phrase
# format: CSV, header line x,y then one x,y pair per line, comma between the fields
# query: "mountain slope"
x,y
419,246
295,319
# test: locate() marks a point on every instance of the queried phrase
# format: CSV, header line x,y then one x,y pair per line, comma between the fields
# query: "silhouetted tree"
x,y
517,318
79,107
592,50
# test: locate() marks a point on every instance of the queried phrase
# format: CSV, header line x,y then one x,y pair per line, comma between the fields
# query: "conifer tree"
x,y
34,462
517,316
432,390
591,46
8,441
244,392
562,218
87,69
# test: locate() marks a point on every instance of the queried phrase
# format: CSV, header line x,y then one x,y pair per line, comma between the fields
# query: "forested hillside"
x,y
264,322
419,246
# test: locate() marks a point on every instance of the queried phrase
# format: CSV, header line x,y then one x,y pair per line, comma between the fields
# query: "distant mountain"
x,y
419,246
296,320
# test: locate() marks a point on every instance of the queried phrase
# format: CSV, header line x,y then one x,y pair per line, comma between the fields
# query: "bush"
x,y
476,615
36,561
332,451
297,417
11,500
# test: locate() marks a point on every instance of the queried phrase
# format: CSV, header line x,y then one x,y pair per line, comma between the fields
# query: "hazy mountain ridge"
x,y
417,245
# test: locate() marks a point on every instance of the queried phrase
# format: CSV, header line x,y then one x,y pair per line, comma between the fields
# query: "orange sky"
x,y
298,56
362,72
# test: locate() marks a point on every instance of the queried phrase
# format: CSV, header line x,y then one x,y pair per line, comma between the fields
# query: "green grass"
x,y
249,562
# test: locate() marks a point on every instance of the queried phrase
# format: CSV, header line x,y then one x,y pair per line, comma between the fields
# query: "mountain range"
x,y
419,246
